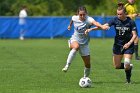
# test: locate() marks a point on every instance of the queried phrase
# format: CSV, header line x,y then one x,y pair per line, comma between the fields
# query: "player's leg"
x,y
136,48
117,61
22,31
117,57
74,46
128,66
84,52
86,60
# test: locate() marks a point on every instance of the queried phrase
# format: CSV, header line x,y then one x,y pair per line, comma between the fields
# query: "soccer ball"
x,y
85,82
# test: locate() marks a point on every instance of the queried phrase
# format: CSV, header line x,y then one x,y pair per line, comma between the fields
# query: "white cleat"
x,y
21,38
131,65
65,69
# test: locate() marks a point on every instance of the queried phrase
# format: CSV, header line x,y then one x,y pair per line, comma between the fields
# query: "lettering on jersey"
x,y
122,30
81,28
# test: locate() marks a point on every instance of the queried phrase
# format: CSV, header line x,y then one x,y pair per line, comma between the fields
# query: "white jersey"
x,y
22,16
79,29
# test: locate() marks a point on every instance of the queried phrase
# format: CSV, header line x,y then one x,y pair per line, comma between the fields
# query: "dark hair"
x,y
81,8
120,4
121,7
23,6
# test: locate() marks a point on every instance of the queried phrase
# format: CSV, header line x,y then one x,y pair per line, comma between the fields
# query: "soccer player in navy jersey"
x,y
124,41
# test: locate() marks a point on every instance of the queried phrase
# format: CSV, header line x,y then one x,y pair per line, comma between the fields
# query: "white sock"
x,y
70,57
86,72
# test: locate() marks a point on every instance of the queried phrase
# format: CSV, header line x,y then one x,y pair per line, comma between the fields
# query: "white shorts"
x,y
83,49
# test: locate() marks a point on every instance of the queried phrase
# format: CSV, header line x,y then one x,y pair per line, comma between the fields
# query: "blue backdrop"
x,y
49,27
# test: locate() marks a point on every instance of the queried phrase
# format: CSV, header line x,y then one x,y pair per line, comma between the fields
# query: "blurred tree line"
x,y
59,7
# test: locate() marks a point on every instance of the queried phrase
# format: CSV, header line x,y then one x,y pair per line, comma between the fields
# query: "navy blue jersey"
x,y
123,30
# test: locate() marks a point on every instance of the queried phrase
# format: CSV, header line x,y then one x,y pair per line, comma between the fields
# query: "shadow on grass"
x,y
116,82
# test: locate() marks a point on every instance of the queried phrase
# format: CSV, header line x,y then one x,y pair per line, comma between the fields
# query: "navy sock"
x,y
136,50
128,74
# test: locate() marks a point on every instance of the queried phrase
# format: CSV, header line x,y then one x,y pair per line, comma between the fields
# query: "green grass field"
x,y
34,66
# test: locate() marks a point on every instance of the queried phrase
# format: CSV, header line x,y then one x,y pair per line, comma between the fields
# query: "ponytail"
x,y
121,6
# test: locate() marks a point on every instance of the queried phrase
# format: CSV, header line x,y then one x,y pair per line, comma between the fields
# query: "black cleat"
x,y
128,81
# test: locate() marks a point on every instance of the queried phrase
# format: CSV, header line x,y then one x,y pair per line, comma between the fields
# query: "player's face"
x,y
121,15
131,1
82,15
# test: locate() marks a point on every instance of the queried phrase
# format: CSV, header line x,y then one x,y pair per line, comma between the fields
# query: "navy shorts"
x,y
118,50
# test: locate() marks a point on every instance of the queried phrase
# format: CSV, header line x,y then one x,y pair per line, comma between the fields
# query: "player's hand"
x,y
105,27
127,45
134,15
69,27
87,31
138,14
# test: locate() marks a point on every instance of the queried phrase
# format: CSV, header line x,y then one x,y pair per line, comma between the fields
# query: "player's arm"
x,y
134,35
90,29
106,26
138,14
131,41
70,25
97,24
133,15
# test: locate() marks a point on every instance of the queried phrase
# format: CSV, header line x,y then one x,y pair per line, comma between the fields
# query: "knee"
x,y
117,62
117,66
127,63
76,47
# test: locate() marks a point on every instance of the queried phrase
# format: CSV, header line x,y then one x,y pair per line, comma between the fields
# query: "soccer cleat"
x,y
21,38
65,69
131,66
128,81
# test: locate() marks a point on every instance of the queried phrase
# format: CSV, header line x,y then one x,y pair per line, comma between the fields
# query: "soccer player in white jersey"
x,y
79,41
22,22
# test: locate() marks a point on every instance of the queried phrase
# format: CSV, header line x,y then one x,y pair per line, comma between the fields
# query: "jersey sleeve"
x,y
90,19
111,22
74,18
134,28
